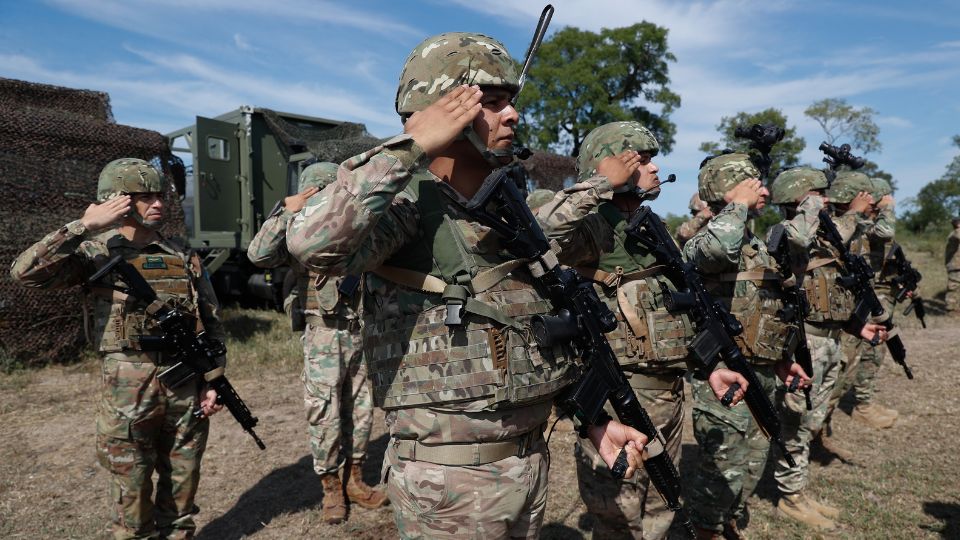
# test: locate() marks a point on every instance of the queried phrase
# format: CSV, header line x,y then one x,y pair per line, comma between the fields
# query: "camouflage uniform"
x,y
693,226
143,426
952,261
740,271
336,394
650,343
467,403
830,307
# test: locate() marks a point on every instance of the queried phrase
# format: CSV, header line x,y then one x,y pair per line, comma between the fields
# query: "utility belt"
x,y
467,454
824,331
334,322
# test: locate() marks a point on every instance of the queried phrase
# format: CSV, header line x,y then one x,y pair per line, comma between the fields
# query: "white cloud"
x,y
894,121
242,43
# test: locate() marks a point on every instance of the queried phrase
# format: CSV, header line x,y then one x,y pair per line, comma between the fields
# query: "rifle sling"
x,y
819,262
615,279
748,275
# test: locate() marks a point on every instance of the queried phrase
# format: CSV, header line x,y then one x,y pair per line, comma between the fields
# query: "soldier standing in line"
x,y
143,425
589,221
864,359
800,193
446,309
700,214
741,273
336,394
952,261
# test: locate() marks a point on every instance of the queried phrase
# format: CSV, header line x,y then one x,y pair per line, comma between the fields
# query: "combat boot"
x,y
795,507
830,444
360,493
825,510
872,415
334,506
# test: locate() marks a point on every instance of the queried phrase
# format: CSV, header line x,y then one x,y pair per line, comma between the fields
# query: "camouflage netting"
x,y
550,171
53,143
334,144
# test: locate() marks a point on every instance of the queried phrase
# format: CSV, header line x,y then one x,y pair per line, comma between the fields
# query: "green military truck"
x,y
238,165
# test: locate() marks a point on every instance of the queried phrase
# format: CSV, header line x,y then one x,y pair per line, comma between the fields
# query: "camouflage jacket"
x,y
590,231
366,218
268,248
63,259
690,228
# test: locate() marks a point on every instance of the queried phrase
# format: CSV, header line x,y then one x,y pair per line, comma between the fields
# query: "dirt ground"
x,y
904,483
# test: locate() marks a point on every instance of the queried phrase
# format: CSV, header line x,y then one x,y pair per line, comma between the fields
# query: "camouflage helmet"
x,y
696,204
610,140
792,184
880,189
128,175
318,175
720,174
847,185
441,63
539,197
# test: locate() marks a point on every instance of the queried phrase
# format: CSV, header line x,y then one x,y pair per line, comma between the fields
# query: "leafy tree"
x,y
842,123
581,80
937,202
786,153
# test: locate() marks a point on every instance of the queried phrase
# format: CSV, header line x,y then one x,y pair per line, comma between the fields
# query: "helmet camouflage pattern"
x,y
696,204
128,175
722,173
847,184
318,175
880,189
792,184
441,63
610,140
539,197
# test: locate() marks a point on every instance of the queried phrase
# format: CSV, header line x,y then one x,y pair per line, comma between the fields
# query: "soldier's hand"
x,y
747,192
296,202
619,169
106,214
208,403
787,370
435,127
722,379
612,437
874,331
886,202
705,212
861,203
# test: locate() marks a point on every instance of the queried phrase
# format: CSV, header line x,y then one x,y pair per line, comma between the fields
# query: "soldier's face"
x,y
646,176
149,208
497,120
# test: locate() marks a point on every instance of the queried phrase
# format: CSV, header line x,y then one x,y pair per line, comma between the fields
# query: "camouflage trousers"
x,y
336,395
733,454
633,508
143,428
800,426
504,499
852,349
952,297
864,379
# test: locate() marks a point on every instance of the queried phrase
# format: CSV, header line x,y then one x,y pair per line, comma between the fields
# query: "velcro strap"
x,y
490,312
819,262
488,278
465,454
630,314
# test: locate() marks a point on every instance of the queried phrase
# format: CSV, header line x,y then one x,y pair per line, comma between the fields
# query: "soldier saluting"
x,y
143,426
446,309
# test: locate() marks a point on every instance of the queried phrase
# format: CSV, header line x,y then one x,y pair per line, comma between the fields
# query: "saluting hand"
x,y
435,127
619,169
104,215
296,202
862,202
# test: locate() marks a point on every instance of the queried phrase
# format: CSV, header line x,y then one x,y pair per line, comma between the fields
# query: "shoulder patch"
x,y
151,262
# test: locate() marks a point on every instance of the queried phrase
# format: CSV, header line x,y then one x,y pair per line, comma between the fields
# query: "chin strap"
x,y
492,157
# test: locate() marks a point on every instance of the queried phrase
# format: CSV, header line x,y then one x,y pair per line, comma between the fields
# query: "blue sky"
x,y
165,61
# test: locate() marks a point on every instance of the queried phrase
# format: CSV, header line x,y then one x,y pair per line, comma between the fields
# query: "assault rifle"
x,y
582,320
795,305
905,282
857,277
716,326
194,353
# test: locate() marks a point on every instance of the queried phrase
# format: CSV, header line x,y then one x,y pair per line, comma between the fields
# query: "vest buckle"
x,y
455,297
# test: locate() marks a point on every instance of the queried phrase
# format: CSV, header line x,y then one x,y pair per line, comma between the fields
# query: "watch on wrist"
x,y
77,228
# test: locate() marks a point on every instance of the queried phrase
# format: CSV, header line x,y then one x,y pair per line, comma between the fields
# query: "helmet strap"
x,y
490,156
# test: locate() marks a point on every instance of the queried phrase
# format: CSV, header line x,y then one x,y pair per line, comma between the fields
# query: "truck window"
x,y
218,148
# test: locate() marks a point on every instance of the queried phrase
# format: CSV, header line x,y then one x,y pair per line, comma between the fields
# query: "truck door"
x,y
217,171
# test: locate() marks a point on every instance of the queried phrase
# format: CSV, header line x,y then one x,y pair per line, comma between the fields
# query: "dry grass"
x,y
903,486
